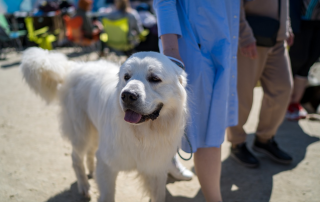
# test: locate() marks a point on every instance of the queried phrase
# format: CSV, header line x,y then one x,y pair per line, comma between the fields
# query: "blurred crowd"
x,y
129,26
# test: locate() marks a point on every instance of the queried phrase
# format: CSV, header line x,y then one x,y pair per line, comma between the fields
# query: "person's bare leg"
x,y
207,163
299,87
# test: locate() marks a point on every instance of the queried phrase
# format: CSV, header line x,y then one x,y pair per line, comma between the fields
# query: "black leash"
x,y
190,149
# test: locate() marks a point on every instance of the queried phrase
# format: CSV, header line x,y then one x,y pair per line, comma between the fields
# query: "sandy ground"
x,y
35,162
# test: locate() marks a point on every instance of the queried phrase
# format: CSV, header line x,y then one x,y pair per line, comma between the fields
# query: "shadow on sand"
x,y
78,54
255,185
71,195
238,183
10,65
241,184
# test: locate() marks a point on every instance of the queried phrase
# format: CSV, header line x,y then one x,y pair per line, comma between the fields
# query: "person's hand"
x,y
290,39
250,50
98,25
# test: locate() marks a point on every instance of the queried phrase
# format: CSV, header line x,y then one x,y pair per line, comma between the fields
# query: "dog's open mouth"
x,y
134,117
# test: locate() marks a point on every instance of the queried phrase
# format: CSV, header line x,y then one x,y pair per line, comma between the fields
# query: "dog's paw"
x,y
84,188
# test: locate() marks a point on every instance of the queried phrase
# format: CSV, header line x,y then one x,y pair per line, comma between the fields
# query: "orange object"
x,y
73,31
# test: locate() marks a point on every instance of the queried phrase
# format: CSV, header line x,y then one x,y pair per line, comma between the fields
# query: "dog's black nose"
x,y
129,97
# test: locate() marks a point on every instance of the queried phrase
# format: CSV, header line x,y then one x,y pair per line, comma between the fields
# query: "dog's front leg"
x,y
155,185
106,181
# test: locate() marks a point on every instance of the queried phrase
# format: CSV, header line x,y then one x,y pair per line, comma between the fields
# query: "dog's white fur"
x,y
92,115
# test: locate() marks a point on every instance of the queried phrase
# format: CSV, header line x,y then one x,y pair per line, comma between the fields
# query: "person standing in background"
x,y
270,66
305,20
202,37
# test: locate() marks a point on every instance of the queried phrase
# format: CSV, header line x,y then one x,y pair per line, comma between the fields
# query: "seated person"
x,y
90,29
123,9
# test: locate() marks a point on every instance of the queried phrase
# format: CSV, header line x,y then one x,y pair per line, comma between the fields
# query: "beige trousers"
x,y
272,68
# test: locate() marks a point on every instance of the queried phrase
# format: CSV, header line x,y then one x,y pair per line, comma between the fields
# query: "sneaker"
x,y
243,156
178,171
272,150
295,112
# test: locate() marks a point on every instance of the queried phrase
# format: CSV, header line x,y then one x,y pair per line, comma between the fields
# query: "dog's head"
x,y
150,85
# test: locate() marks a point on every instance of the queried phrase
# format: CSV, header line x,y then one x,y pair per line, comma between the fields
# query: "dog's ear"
x,y
183,78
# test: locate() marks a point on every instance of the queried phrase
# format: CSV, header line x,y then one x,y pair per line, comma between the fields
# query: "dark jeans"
x,y
306,48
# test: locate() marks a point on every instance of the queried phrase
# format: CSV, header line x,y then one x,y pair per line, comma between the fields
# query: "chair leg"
x,y
87,52
1,50
19,44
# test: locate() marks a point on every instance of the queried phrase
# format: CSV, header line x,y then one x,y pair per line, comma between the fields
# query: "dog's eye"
x,y
154,79
126,77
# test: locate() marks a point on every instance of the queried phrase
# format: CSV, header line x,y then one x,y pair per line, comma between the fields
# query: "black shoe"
x,y
243,156
272,150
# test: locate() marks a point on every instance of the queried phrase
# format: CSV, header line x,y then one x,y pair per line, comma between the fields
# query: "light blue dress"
x,y
208,42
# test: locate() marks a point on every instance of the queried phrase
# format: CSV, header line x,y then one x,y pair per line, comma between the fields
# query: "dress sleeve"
x,y
245,32
167,16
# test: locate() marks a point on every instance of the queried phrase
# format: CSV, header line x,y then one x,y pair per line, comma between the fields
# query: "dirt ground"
x,y
35,162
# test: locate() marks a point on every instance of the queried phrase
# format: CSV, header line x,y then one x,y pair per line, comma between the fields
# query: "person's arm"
x,y
168,26
245,32
170,45
290,39
247,42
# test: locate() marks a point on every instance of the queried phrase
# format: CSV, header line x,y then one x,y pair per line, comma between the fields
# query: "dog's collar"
x,y
177,62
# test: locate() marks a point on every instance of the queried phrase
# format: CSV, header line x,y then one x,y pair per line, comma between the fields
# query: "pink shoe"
x,y
295,112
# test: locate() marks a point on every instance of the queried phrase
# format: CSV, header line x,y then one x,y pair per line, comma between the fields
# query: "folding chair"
x,y
117,31
75,35
10,36
39,36
73,31
118,35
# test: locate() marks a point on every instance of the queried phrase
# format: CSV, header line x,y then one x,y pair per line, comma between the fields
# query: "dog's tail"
x,y
44,71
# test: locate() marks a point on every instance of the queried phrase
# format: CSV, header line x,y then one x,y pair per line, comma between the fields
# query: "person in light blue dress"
x,y
203,35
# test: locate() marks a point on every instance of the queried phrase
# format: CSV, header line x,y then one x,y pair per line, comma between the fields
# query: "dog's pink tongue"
x,y
132,117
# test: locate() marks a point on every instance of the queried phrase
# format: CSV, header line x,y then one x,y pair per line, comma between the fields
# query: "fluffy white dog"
x,y
132,117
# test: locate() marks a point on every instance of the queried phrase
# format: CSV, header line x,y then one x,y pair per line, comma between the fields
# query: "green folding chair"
x,y
117,31
11,35
117,35
39,36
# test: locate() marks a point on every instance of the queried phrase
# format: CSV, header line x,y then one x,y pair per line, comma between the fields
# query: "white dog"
x,y
132,117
